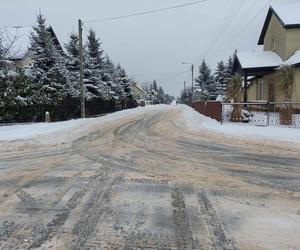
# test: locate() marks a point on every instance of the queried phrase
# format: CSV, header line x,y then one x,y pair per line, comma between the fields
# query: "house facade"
x,y
139,94
280,38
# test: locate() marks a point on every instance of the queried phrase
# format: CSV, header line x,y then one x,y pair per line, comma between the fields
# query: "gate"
x,y
210,109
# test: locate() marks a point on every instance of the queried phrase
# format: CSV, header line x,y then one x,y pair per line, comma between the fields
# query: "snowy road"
x,y
144,180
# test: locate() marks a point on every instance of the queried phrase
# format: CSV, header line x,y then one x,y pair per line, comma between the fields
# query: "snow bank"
x,y
26,131
196,122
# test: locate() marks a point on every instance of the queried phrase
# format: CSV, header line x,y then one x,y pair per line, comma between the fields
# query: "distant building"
x,y
139,94
280,38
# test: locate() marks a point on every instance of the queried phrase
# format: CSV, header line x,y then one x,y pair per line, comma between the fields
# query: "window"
x,y
260,91
274,44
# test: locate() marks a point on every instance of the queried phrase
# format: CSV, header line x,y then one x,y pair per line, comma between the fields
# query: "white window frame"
x,y
260,90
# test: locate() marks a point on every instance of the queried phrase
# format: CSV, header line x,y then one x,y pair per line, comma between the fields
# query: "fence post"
x,y
222,113
47,117
268,113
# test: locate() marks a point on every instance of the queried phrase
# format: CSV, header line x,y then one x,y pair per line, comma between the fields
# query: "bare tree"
x,y
8,43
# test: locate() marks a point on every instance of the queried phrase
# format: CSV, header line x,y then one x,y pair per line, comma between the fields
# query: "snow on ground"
x,y
196,122
193,119
26,131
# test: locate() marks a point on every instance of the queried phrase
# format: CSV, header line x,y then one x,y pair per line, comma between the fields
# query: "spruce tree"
x,y
154,86
123,82
1,48
73,65
205,80
48,75
12,90
220,78
161,95
95,64
109,77
228,74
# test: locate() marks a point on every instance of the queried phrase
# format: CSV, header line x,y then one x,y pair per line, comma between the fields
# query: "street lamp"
x,y
192,68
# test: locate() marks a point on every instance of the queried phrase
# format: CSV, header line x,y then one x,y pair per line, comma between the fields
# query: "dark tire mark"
x,y
214,233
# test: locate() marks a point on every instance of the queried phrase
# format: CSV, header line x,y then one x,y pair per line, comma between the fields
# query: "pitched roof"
x,y
294,59
21,44
259,59
287,14
139,87
263,62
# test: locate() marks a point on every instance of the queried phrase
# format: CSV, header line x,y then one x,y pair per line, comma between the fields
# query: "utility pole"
x,y
82,90
192,68
192,79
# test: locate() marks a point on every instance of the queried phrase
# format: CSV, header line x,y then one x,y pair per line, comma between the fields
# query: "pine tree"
x,y
205,80
220,78
1,48
48,74
95,64
154,86
228,75
109,77
73,65
12,90
161,95
123,82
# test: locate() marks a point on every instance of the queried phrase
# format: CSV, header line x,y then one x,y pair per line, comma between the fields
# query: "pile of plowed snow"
x,y
195,121
72,127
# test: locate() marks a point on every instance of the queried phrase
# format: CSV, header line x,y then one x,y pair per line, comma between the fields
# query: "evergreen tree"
x,y
95,66
154,86
73,65
109,77
48,74
220,78
205,80
1,48
161,95
123,82
12,90
228,75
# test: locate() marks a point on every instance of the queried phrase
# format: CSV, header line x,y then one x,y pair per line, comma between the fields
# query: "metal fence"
x,y
283,114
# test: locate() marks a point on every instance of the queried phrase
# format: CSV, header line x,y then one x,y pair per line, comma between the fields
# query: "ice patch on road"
x,y
197,122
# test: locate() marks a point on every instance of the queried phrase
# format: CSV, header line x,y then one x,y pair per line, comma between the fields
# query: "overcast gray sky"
x,y
153,46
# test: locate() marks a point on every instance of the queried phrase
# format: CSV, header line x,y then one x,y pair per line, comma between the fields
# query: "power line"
x,y
160,74
227,17
230,38
239,22
86,29
236,6
170,77
147,12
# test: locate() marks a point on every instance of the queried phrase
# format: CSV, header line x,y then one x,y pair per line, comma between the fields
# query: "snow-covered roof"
x,y
265,59
259,59
287,14
294,59
139,87
21,37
